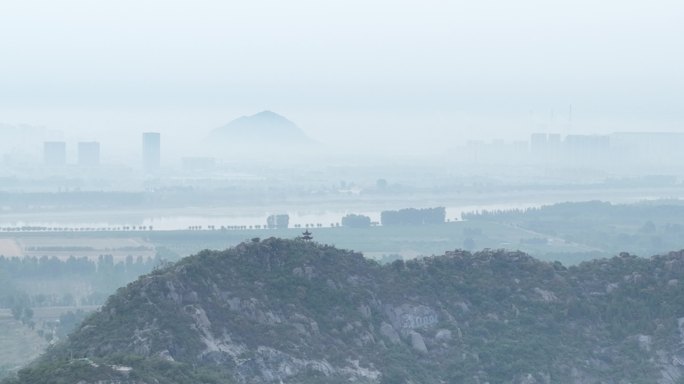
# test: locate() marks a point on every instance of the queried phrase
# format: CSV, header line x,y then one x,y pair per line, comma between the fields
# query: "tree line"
x,y
413,216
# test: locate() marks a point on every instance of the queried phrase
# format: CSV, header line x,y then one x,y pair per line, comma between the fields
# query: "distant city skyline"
x,y
54,153
88,153
400,74
550,148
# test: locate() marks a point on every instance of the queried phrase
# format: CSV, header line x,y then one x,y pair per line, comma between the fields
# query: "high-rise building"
x,y
661,148
89,153
151,151
554,141
54,153
538,142
586,149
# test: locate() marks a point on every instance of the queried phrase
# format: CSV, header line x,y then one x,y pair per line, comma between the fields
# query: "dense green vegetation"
x,y
302,312
28,267
278,221
568,232
64,290
14,299
571,233
102,276
356,221
644,228
413,216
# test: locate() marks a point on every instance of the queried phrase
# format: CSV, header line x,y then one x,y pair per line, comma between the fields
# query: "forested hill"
x,y
291,311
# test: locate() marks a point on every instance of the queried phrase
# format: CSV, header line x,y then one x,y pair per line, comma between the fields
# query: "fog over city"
x,y
219,192
402,74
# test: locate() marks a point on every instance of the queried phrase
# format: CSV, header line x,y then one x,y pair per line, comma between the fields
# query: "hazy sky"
x,y
418,70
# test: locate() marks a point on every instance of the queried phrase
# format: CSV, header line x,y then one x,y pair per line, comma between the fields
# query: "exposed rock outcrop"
x,y
279,311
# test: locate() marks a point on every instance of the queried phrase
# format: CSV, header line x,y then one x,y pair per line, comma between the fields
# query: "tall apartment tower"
x,y
88,153
151,151
54,153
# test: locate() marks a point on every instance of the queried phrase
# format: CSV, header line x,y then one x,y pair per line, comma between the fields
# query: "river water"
x,y
320,213
222,218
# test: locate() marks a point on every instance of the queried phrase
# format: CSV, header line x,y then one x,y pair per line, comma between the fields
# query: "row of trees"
x,y
356,221
18,302
35,228
413,216
408,216
100,276
278,221
53,267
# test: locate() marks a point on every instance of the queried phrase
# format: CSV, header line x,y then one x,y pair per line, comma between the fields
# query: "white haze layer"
x,y
396,74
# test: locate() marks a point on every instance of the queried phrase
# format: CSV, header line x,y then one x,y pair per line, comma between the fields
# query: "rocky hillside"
x,y
288,311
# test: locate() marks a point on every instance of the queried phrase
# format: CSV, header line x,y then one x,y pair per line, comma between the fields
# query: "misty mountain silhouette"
x,y
263,128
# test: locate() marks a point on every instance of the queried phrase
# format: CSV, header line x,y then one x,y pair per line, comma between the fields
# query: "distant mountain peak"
x,y
265,115
268,114
261,130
